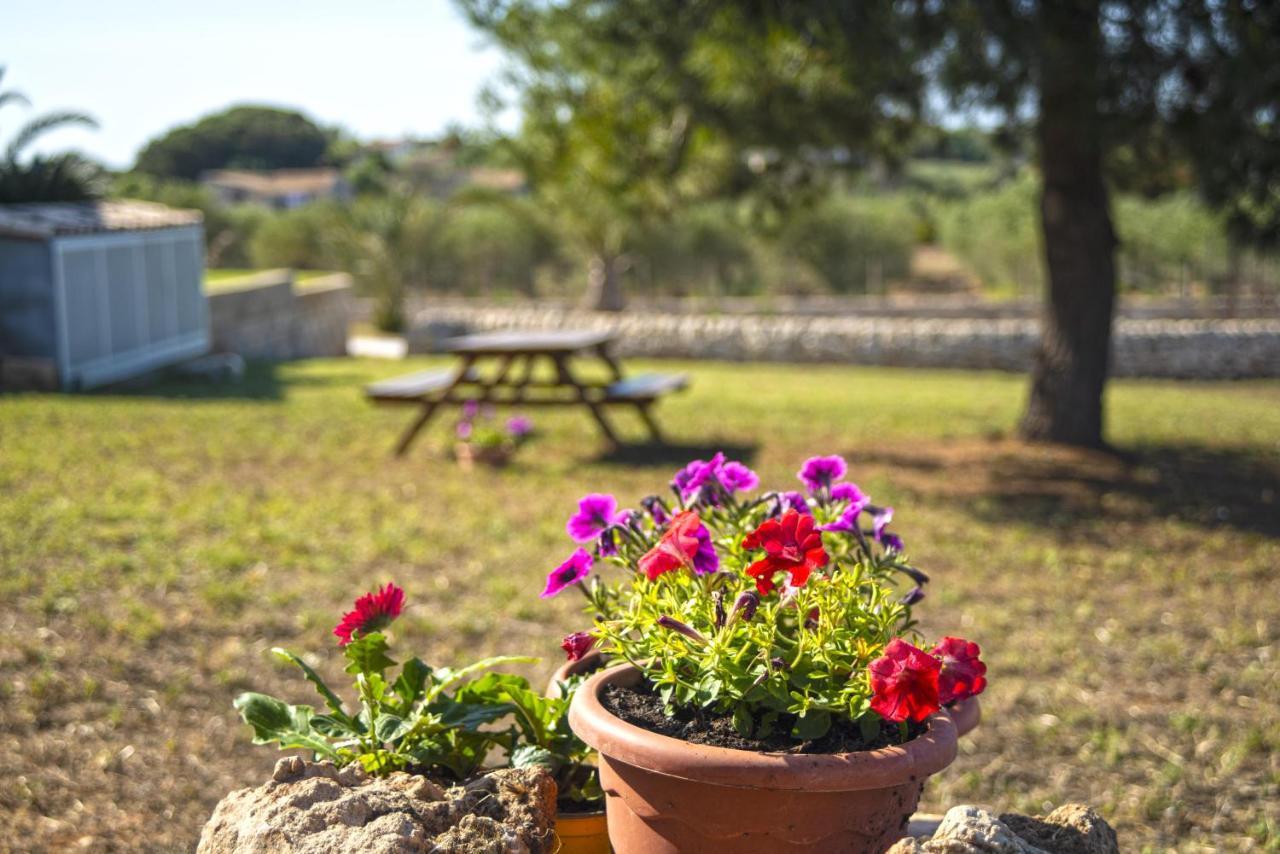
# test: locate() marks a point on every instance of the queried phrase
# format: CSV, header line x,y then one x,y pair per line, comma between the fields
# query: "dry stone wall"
x,y
273,319
1182,349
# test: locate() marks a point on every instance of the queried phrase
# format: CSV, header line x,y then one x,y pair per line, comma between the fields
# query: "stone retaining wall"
x,y
1190,349
271,318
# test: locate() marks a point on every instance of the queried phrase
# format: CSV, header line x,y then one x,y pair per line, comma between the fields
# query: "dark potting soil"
x,y
568,807
642,707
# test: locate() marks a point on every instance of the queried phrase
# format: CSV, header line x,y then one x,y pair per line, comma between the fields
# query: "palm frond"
x,y
14,97
43,124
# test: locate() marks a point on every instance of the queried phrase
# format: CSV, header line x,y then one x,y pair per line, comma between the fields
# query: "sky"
x,y
380,68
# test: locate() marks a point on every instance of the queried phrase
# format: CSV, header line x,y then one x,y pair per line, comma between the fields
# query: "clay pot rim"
x,y
620,741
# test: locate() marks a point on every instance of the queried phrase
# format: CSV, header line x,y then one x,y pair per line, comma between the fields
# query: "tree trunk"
x,y
1070,371
604,284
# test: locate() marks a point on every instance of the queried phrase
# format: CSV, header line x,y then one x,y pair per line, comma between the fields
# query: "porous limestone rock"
x,y
316,808
1070,829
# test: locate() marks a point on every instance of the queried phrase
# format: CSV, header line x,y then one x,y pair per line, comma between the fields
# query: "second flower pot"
x,y
666,795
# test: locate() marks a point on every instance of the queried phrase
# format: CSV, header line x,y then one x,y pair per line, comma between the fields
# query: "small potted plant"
x,y
479,439
775,695
443,723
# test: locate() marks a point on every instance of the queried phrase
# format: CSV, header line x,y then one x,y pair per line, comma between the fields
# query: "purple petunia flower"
x,y
891,542
607,544
464,430
470,409
819,472
698,480
596,512
519,426
738,478
851,493
847,522
794,501
683,628
705,559
657,510
572,571
914,595
880,519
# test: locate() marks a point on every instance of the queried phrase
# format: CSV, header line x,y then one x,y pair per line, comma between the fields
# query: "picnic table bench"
x,y
512,381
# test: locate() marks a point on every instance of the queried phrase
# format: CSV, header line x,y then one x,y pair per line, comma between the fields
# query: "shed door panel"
x,y
85,306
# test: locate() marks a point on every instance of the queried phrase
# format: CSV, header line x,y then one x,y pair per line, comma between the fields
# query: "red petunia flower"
x,y
791,545
676,549
373,612
577,645
904,683
963,674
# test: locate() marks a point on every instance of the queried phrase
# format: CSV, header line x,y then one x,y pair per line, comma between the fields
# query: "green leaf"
x,y
276,721
530,755
332,700
447,676
368,654
389,727
870,728
742,721
470,716
412,681
812,724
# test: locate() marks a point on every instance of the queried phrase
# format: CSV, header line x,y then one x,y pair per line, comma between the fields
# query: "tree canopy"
x,y
245,137
65,177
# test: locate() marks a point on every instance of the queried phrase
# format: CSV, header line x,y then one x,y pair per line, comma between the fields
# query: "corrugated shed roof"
x,y
42,220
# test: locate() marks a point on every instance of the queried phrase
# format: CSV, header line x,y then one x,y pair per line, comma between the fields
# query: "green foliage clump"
x,y
854,243
245,137
295,238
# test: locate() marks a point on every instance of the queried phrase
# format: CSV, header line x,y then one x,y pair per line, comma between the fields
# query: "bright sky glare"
x,y
381,68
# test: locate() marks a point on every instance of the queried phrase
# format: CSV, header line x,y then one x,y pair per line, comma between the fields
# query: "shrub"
x,y
295,238
854,243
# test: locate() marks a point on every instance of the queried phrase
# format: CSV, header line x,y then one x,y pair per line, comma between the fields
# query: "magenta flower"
x,y
738,478
572,571
657,509
880,519
519,426
705,560
847,522
819,472
891,542
596,512
793,501
851,493
470,409
464,430
699,479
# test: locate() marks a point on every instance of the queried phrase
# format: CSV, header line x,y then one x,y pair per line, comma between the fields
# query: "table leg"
x,y
602,350
429,407
597,410
647,416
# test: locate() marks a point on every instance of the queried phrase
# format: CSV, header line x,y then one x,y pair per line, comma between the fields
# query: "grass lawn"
x,y
155,544
230,279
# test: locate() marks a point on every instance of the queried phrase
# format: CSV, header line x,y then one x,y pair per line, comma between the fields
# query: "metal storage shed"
x,y
100,291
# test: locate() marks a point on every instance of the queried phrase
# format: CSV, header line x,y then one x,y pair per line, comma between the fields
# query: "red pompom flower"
x,y
904,683
963,673
791,545
677,548
577,645
373,612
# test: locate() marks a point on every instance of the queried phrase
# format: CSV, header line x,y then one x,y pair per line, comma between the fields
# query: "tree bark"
x,y
1070,373
604,284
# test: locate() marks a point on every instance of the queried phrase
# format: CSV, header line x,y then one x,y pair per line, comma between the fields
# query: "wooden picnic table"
x,y
498,368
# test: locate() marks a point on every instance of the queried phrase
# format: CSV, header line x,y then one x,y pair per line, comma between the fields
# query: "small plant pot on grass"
x,y
668,795
469,455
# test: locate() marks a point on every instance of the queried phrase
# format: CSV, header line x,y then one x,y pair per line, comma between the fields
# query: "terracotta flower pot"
x,y
589,663
667,795
966,715
581,833
469,455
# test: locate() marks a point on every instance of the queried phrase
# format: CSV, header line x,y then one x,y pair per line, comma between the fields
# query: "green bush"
x,y
704,251
484,249
1174,239
854,243
295,238
997,235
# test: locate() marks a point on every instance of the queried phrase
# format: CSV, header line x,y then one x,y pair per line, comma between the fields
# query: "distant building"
x,y
96,292
282,189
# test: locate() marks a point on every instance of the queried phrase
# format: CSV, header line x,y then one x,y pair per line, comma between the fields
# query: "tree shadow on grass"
x,y
667,455
1067,489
